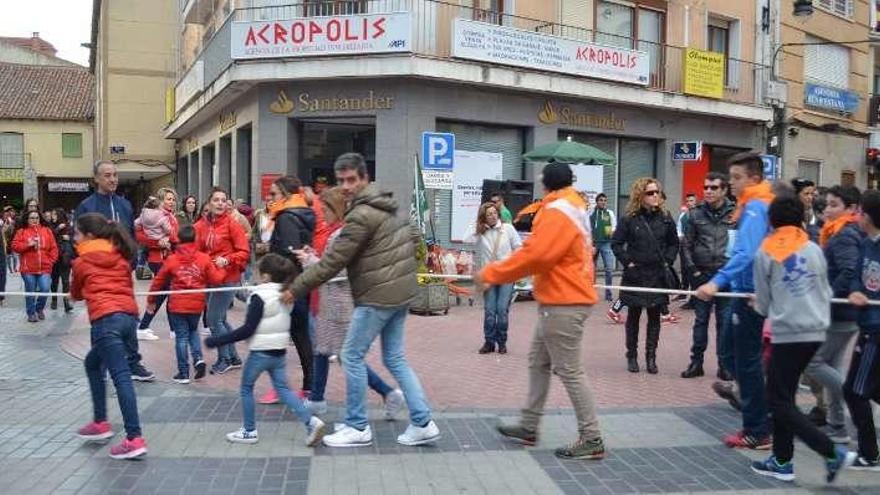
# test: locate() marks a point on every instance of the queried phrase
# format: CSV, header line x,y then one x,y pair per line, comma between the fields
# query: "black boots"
x,y
68,308
632,365
694,370
487,348
54,303
502,349
651,363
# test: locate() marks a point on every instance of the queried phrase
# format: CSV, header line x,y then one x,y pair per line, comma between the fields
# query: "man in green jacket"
x,y
377,249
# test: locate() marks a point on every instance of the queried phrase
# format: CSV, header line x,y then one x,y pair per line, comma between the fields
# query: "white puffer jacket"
x,y
273,331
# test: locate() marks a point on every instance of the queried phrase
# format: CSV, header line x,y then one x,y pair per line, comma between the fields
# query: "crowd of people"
x,y
330,270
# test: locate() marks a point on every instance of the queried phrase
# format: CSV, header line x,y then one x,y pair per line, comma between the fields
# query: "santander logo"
x,y
315,31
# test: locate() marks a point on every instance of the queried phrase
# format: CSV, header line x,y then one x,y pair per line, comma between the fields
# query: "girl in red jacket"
x,y
35,243
102,277
224,240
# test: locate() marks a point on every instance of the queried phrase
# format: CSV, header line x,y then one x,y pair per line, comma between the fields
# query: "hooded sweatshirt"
x,y
156,223
187,268
38,258
102,277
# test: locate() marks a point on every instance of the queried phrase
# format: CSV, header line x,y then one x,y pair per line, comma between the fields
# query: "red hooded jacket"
x,y
223,236
156,254
187,268
36,259
102,277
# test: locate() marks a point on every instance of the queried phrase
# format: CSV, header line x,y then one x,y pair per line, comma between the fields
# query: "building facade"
x,y
271,88
134,59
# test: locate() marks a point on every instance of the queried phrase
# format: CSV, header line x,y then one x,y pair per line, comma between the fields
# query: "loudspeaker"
x,y
517,194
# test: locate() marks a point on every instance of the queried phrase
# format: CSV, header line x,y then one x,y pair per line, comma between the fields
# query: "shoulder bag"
x,y
670,277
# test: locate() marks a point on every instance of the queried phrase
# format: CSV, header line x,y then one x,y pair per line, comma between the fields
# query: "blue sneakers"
x,y
843,459
771,467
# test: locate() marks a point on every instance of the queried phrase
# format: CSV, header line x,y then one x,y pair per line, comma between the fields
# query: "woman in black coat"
x,y
642,254
61,270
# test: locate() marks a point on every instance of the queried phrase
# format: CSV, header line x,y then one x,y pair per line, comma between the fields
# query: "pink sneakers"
x,y
270,397
129,449
94,432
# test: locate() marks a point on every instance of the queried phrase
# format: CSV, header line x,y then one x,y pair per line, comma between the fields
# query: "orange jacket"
x,y
187,268
102,277
39,258
557,253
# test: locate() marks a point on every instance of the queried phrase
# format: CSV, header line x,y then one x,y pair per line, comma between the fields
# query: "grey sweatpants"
x,y
826,369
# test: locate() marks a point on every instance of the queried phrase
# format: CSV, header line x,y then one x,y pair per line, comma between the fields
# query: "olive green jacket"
x,y
376,248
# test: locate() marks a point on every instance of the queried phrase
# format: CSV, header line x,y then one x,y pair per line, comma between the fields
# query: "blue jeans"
x,y
367,323
218,305
257,363
148,317
35,282
746,327
186,334
322,370
496,309
603,249
108,352
702,312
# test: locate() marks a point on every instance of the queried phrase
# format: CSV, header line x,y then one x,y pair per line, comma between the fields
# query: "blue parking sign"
x,y
771,167
438,151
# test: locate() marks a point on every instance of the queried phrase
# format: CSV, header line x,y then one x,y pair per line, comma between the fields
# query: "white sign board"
x,y
190,86
508,46
332,35
471,169
437,179
588,179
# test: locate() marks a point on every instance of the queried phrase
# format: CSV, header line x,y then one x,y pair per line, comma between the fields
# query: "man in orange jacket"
x,y
559,256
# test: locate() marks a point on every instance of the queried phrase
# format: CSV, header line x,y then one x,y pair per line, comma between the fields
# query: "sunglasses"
x,y
711,188
652,193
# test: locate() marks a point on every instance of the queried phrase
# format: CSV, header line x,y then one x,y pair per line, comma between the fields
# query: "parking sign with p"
x,y
438,150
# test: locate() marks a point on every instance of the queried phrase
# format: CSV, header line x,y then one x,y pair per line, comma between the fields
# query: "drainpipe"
x,y
687,23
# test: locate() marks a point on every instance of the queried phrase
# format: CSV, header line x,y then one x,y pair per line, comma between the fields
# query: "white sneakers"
x,y
415,435
315,430
349,437
242,436
317,407
394,403
146,334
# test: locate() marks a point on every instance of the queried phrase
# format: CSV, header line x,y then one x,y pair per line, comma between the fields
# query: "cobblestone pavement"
x,y
666,443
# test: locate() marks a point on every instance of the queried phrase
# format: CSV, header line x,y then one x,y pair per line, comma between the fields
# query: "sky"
x,y
64,23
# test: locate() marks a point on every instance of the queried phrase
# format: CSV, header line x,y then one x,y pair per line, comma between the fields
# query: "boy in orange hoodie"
x,y
559,255
186,269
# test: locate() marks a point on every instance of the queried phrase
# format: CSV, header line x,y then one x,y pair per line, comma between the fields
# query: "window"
x,y
614,24
317,8
840,7
826,65
71,145
491,11
718,40
633,27
11,150
810,169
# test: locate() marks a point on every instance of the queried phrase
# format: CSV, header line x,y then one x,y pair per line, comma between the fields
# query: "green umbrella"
x,y
570,152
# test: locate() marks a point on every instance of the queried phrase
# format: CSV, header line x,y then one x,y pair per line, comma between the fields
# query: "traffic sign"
x,y
438,151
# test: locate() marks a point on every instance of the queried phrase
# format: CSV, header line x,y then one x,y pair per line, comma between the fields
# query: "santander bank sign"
x,y
315,36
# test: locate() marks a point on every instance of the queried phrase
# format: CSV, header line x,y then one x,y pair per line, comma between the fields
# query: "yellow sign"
x,y
703,73
567,116
11,175
282,105
227,121
169,105
306,103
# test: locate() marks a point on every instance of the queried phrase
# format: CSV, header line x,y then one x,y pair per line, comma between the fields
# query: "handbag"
x,y
670,277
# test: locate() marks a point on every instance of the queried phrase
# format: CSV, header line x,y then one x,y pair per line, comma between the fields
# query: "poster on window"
x,y
470,170
588,179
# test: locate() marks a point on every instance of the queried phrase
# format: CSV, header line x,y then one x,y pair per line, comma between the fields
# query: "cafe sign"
x,y
318,36
833,99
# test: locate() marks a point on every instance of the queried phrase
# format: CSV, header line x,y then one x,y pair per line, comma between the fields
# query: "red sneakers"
x,y
270,397
129,449
740,440
93,432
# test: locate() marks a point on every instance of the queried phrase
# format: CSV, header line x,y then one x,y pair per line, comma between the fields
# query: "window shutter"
x,y
71,145
827,65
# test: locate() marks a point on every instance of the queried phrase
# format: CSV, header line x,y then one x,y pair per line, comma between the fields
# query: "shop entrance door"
x,y
322,141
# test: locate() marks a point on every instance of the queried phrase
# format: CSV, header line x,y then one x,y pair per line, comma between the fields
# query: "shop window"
x,y
826,65
11,150
71,145
848,178
843,8
810,170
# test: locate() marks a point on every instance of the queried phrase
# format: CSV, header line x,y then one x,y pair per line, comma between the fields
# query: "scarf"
x,y
784,241
94,245
830,229
294,201
760,191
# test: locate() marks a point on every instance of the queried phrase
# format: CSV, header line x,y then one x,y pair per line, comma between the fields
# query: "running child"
x,y
266,328
187,268
102,277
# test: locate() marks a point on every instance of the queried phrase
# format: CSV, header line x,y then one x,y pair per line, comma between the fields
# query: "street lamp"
x,y
803,8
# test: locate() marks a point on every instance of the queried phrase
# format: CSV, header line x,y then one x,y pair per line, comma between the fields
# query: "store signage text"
x,y
11,175
227,121
565,115
838,100
703,73
68,186
508,46
306,103
333,35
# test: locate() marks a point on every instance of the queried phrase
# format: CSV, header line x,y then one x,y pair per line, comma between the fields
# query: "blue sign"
x,y
438,151
687,150
838,100
771,167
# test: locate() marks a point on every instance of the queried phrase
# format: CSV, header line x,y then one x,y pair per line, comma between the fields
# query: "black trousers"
x,y
60,273
862,386
787,364
634,314
302,340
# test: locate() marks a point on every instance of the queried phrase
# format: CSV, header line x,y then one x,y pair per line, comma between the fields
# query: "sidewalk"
x,y
662,431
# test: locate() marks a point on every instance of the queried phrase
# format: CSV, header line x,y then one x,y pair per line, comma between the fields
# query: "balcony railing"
x,y
433,37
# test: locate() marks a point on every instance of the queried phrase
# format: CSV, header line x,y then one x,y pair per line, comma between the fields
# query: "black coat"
x,y
842,253
632,245
294,229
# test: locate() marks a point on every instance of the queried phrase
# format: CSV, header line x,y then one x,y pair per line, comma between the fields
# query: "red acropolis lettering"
x,y
313,30
607,56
